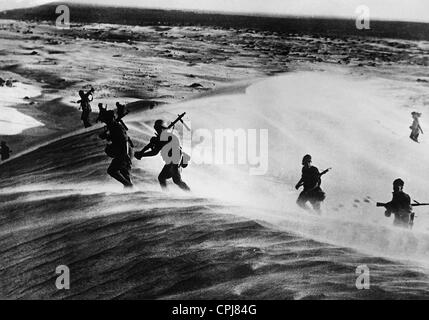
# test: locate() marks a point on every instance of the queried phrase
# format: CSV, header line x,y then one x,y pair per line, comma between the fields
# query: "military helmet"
x,y
398,182
159,125
306,159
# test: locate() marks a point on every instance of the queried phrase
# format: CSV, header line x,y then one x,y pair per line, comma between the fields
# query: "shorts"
x,y
316,195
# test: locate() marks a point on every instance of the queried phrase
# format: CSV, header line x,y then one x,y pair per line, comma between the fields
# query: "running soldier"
x,y
171,151
311,181
400,206
85,99
119,149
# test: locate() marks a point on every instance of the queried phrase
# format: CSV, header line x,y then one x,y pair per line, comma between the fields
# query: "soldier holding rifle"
x,y
168,145
85,105
311,181
401,206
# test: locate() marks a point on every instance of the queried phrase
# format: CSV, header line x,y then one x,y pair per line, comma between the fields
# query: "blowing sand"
x,y
13,122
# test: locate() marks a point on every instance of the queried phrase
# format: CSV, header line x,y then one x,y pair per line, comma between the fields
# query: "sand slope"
x,y
235,236
12,121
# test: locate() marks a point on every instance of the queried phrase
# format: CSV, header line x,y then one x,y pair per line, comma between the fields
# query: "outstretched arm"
x,y
299,184
150,153
147,151
421,130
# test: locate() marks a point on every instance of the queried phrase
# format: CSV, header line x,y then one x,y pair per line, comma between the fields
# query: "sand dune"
x,y
12,121
68,202
345,100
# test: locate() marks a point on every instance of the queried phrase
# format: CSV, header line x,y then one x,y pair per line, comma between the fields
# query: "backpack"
x,y
185,160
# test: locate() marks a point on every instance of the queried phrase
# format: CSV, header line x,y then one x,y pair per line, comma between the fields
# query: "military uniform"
x,y
121,152
173,167
401,207
312,192
86,109
415,130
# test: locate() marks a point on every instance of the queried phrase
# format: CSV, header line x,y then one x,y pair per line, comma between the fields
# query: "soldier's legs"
x,y
302,200
403,221
177,178
164,175
114,171
85,119
125,171
415,135
316,206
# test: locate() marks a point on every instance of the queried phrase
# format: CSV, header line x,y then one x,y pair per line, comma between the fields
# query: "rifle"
x,y
325,172
415,204
179,118
412,214
299,185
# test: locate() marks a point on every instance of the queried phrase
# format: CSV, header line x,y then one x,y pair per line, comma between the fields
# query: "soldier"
x,y
311,181
400,206
4,151
169,146
415,127
121,112
119,149
101,111
85,99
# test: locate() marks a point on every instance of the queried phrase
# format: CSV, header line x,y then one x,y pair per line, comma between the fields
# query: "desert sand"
x,y
347,101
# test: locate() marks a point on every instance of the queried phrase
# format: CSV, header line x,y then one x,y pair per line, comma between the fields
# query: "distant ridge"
x,y
328,27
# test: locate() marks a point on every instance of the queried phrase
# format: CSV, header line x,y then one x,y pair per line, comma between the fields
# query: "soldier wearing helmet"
x,y
400,206
168,145
85,99
311,181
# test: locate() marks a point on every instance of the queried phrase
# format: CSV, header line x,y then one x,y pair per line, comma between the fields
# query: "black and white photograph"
x,y
238,151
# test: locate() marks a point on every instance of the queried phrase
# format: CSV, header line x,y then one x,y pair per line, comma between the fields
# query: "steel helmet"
x,y
398,182
159,125
306,159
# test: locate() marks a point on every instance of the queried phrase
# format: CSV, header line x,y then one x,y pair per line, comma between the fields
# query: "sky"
x,y
407,10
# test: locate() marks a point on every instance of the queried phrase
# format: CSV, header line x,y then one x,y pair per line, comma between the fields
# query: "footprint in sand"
x,y
367,199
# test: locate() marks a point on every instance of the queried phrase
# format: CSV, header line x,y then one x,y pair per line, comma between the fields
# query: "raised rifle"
x,y
179,119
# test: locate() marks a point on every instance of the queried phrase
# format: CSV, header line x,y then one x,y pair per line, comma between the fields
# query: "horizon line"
x,y
233,13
